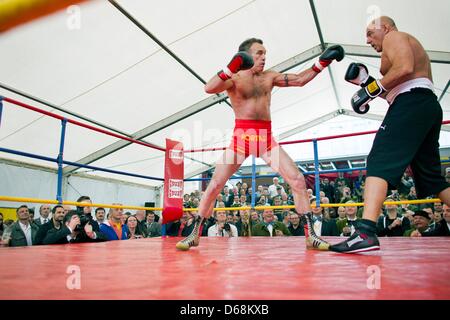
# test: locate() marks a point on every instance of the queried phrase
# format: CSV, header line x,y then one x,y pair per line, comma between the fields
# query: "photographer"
x,y
85,213
222,228
73,231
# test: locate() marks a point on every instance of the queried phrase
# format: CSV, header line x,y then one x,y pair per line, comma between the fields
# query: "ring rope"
x,y
97,205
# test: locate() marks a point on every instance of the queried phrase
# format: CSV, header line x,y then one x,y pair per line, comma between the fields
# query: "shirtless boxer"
x,y
409,134
249,88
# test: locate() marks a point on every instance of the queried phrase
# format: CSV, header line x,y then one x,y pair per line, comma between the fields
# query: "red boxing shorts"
x,y
252,137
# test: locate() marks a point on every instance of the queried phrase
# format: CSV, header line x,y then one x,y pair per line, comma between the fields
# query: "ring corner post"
x,y
60,160
316,172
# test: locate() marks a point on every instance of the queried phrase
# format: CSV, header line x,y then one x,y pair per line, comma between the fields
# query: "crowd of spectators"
x,y
64,224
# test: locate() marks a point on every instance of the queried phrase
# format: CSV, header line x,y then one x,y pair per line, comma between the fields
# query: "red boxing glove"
x,y
335,52
241,61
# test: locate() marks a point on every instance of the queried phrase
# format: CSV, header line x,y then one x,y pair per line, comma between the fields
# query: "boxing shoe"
x,y
363,239
193,239
313,241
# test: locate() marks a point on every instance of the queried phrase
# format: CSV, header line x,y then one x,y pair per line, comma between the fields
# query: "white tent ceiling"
x,y
110,71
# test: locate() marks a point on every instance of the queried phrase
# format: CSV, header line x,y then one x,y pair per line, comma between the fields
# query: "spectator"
x,y
195,203
392,224
219,199
100,214
278,212
134,228
286,219
322,226
412,194
295,228
249,195
244,229
243,192
220,205
430,212
243,200
55,222
259,193
230,217
124,216
347,226
44,212
237,220
420,225
442,227
269,227
222,228
310,193
187,224
346,195
2,227
273,188
86,212
262,201
405,184
409,214
236,202
23,232
186,200
73,231
67,208
327,189
438,211
140,216
153,228
114,229
228,197
341,214
328,212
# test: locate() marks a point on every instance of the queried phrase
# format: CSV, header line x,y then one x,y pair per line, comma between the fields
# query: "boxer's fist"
x,y
362,97
335,52
241,61
358,74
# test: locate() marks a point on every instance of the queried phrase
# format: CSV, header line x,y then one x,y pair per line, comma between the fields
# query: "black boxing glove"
x,y
362,97
358,74
241,61
335,52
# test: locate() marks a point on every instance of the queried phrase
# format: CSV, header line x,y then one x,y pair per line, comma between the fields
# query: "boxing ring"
x,y
244,268
258,268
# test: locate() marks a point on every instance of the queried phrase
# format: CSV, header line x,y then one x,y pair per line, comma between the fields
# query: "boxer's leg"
x,y
282,163
225,167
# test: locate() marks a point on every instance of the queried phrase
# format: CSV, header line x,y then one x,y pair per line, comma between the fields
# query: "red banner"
x,y
173,181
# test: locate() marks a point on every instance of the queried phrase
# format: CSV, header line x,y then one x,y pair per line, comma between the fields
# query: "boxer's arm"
x,y
294,80
399,52
217,85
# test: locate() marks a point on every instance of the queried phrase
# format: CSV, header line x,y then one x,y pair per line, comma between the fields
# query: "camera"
x,y
83,221
227,227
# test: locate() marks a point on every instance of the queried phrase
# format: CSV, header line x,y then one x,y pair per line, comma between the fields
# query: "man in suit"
x,y
347,226
268,227
72,231
153,228
44,213
295,228
55,222
322,226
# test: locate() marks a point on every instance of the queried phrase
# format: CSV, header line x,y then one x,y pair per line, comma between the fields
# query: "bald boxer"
x,y
249,87
409,134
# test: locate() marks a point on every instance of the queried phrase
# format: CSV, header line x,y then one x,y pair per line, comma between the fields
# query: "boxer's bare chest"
x,y
253,86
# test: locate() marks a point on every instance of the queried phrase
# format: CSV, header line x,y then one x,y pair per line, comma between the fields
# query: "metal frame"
x,y
366,51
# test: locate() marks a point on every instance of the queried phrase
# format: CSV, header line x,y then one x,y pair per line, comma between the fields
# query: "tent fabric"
x,y
95,62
